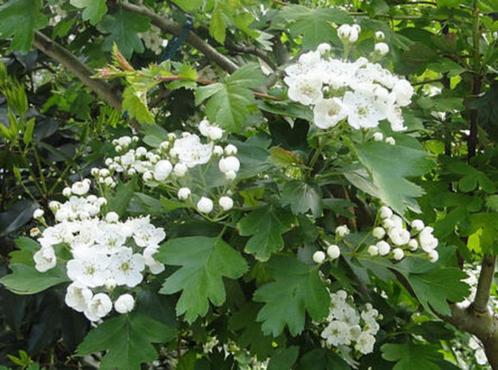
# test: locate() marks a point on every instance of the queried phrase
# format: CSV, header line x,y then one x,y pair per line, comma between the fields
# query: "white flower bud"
x,y
204,126
171,136
354,34
38,213
205,205
162,170
383,247
373,250
183,193
67,192
229,164
342,231
378,136
226,203
230,175
381,48
385,212
323,48
318,257
333,251
80,187
417,225
180,169
378,232
231,149
398,254
112,217
433,255
390,140
344,31
147,176
124,304
379,36
413,244
215,133
218,150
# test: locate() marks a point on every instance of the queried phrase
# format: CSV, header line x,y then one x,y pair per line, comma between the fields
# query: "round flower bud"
x,y
171,136
95,171
378,232
67,192
230,175
354,34
383,247
229,164
378,136
80,187
318,257
379,36
218,150
112,217
226,203
433,255
342,231
333,251
215,133
417,225
124,304
413,244
147,176
323,48
398,254
38,213
373,250
385,212
180,169
344,31
231,149
162,170
390,140
183,193
381,48
205,205
204,127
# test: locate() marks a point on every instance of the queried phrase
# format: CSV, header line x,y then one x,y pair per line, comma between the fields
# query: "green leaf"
x,y
230,103
93,11
123,28
19,19
410,356
302,197
135,104
218,25
128,341
322,359
122,197
25,279
265,226
436,287
204,262
297,289
390,166
283,358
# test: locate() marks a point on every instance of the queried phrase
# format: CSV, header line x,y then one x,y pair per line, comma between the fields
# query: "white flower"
x,y
146,234
378,232
403,91
38,213
124,304
381,48
226,203
81,187
205,205
183,193
390,140
78,297
417,225
147,176
373,250
354,33
45,259
110,237
67,192
162,170
398,254
333,251
342,231
204,126
399,236
126,267
364,110
191,152
379,36
228,164
180,169
323,48
305,89
154,266
112,217
337,333
218,150
319,257
328,112
99,306
383,248
365,343
426,240
433,255
385,212
88,269
215,133
344,31
378,136
231,149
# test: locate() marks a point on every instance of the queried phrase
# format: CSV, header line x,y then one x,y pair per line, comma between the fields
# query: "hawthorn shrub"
x,y
248,184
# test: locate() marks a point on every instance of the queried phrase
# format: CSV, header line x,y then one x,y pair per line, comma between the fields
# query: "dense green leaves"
x,y
25,279
410,356
128,341
230,103
390,166
302,197
204,262
297,289
19,19
265,226
93,11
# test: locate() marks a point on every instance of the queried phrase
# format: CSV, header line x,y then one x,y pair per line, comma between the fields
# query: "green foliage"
x,y
204,262
93,11
410,356
25,279
297,289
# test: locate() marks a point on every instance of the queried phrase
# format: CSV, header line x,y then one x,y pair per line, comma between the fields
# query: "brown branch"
x,y
254,51
60,54
480,304
169,26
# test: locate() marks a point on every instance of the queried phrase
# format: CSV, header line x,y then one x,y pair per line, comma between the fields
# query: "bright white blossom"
x,y
162,170
99,306
226,203
381,48
342,231
45,259
184,193
333,251
205,205
124,304
319,257
38,213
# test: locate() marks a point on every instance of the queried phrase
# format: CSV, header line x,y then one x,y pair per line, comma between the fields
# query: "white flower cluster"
x,y
347,328
105,253
333,250
361,92
170,163
396,239
153,40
